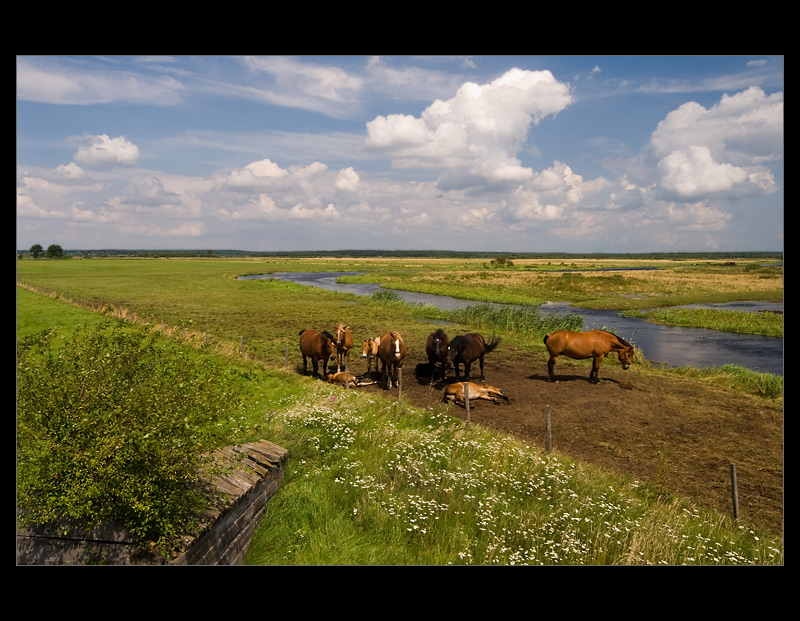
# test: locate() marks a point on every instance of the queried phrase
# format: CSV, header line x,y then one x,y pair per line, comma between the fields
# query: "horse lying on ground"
x,y
455,392
352,381
436,348
369,350
344,343
595,344
391,351
466,349
319,346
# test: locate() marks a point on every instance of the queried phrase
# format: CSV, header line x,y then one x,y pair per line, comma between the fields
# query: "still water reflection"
x,y
674,346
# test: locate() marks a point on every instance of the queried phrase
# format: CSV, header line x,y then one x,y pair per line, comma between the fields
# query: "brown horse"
x,y
344,343
342,377
455,392
391,351
369,350
319,346
594,344
436,348
466,349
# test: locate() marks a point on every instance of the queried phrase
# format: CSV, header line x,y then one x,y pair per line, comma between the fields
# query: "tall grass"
x,y
523,321
766,324
379,483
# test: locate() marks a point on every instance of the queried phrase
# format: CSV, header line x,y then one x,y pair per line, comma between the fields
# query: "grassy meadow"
x,y
377,482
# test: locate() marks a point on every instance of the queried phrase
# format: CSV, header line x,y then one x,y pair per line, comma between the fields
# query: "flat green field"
x,y
676,431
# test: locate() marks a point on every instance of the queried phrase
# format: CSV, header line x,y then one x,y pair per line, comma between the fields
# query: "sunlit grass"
x,y
766,324
384,483
374,482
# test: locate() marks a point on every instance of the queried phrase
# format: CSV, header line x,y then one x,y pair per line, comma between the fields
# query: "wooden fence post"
x,y
734,492
466,399
548,438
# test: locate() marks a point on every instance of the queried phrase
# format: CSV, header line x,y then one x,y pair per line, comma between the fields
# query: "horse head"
x,y
625,353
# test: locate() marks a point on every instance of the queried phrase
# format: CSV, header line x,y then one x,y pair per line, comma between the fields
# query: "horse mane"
x,y
619,338
329,335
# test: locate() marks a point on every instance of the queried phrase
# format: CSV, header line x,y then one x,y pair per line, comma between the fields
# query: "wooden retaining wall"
x,y
252,474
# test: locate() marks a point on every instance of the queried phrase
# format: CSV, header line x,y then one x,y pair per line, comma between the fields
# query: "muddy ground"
x,y
681,435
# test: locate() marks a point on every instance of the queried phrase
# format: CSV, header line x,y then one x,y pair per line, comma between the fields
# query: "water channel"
x,y
672,345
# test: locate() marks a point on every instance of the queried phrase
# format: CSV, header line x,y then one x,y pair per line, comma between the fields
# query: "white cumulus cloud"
x,y
473,138
104,152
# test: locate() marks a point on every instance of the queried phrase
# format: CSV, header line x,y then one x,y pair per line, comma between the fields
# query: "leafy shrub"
x,y
112,426
385,296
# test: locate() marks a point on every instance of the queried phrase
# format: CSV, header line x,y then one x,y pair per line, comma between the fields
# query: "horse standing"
x,y
595,344
466,349
344,343
369,350
319,346
391,351
436,348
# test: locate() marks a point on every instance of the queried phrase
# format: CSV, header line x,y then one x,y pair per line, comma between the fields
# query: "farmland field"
x,y
678,431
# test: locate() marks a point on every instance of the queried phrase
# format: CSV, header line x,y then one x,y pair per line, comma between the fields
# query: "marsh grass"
x,y
522,321
766,324
381,483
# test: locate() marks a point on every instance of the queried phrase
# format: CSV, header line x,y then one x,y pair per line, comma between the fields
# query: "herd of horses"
x,y
443,354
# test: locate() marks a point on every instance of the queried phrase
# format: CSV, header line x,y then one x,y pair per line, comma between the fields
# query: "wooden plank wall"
x,y
252,474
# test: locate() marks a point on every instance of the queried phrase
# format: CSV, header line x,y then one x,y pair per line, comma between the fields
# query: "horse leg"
x,y
551,363
305,365
482,375
595,370
385,374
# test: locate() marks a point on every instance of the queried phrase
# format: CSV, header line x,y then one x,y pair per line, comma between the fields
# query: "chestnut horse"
x,y
455,392
594,344
344,343
436,348
369,350
466,349
319,346
391,351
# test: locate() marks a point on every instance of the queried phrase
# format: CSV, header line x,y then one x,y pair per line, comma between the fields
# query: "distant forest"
x,y
439,254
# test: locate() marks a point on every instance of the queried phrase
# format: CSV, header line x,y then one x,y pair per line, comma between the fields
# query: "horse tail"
x,y
546,336
492,345
301,332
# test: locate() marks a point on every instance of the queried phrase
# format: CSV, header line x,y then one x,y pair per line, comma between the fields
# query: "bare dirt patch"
x,y
679,434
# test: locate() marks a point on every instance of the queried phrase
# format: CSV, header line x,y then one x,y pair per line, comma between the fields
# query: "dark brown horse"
x,y
466,349
391,352
436,348
595,344
344,343
319,346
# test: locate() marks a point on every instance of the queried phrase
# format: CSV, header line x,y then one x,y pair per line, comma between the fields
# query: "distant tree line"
x,y
496,260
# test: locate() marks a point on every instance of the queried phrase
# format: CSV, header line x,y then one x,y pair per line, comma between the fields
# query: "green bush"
x,y
112,428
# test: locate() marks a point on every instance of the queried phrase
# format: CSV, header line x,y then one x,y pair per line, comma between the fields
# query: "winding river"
x,y
672,345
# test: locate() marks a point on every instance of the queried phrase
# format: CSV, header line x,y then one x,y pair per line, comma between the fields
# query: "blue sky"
x,y
493,153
